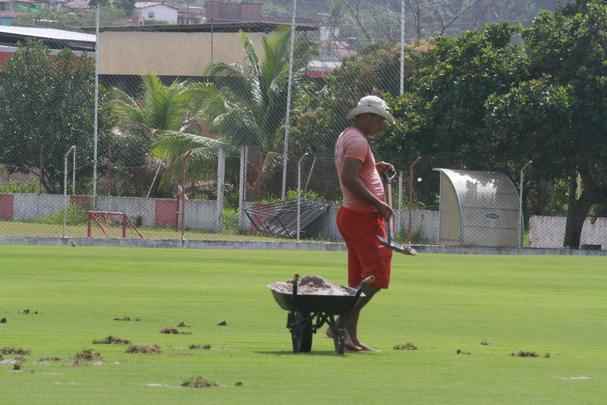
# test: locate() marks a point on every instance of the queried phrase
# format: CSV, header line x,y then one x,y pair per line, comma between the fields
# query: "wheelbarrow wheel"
x,y
339,339
301,332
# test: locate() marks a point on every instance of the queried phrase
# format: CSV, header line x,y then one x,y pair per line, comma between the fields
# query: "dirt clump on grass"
x,y
222,323
127,319
50,359
462,352
200,347
406,346
111,340
523,353
12,361
198,382
87,356
173,331
28,311
144,349
14,350
3,320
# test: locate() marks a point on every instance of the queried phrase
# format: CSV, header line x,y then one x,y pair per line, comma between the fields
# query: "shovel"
x,y
390,243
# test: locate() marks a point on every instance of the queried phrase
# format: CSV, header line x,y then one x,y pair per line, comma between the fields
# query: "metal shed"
x,y
478,209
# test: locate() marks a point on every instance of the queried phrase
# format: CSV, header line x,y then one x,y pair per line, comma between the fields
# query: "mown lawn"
x,y
440,303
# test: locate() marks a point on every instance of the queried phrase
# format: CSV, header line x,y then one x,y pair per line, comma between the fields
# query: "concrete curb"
x,y
485,251
286,245
187,244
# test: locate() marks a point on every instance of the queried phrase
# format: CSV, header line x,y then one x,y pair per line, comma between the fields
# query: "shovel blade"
x,y
397,247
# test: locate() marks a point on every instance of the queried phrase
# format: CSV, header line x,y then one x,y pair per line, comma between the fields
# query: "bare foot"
x,y
350,347
362,346
365,348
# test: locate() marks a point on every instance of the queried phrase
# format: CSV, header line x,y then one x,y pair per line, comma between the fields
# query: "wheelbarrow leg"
x,y
300,326
338,334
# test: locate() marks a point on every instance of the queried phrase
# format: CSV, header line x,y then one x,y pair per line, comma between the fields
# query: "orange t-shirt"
x,y
352,144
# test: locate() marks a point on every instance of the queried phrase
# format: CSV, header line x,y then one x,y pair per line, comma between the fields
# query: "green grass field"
x,y
441,303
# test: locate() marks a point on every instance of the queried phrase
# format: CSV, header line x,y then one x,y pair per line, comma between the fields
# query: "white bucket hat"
x,y
372,105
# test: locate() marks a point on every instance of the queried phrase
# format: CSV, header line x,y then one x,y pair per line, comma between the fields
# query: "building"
x,y
76,5
147,12
54,39
219,10
191,15
174,51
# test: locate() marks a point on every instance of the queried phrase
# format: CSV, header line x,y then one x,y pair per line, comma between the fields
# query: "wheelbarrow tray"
x,y
329,304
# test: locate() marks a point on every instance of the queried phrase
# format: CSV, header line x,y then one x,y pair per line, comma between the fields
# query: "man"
x,y
364,213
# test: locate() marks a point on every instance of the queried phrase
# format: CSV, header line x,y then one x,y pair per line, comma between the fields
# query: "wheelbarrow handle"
x,y
295,283
388,175
366,281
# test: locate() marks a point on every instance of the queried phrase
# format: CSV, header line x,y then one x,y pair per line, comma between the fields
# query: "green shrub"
x,y
75,216
14,187
230,219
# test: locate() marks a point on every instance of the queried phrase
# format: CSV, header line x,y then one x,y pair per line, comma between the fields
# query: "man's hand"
x,y
385,167
385,210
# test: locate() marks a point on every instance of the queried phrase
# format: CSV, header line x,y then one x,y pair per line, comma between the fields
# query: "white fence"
x,y
549,232
199,214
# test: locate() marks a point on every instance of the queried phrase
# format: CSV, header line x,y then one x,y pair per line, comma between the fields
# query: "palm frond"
x,y
232,78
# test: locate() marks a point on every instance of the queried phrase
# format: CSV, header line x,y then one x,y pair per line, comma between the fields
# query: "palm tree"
x,y
250,106
159,124
162,108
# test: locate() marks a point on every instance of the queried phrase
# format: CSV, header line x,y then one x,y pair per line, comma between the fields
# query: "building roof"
x,y
51,37
251,26
146,4
77,4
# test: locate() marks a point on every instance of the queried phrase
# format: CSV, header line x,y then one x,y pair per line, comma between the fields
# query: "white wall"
x,y
201,215
549,232
159,12
28,206
132,206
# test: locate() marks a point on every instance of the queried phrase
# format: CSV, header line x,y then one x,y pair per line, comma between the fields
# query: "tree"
x,y
250,107
557,116
163,119
46,105
443,112
320,110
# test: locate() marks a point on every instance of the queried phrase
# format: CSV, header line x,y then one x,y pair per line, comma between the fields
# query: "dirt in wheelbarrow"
x,y
312,285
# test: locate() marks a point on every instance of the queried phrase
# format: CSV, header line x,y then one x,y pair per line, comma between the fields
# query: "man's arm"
x,y
350,177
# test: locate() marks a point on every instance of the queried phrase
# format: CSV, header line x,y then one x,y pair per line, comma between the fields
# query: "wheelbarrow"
x,y
308,313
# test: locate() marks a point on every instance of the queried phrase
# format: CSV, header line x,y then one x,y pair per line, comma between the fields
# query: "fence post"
x,y
221,171
242,187
285,157
521,219
65,200
399,205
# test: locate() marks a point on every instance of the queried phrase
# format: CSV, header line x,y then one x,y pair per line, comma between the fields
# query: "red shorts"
x,y
366,255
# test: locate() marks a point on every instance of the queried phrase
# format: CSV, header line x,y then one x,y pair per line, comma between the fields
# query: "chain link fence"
x,y
216,127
